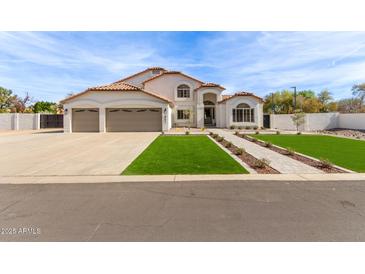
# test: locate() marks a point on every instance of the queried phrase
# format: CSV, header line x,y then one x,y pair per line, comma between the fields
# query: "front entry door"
x,y
209,116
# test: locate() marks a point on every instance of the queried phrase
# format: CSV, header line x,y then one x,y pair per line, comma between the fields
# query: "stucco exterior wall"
x,y
103,100
229,105
166,86
138,79
352,120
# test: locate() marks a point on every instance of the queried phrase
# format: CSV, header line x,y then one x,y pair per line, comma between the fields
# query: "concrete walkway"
x,y
281,163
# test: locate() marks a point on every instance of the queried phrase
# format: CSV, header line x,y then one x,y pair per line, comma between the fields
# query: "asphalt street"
x,y
184,211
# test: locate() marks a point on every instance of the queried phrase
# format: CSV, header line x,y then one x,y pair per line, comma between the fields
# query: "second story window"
x,y
183,91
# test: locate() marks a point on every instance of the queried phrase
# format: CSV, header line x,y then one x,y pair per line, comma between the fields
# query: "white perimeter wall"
x,y
319,121
19,121
352,120
313,121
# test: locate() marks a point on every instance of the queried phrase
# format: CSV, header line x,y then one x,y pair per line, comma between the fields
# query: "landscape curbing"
x,y
24,180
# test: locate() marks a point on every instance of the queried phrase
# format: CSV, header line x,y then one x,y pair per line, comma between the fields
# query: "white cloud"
x,y
53,64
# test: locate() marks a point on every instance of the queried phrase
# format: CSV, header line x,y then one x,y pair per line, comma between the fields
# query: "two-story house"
x,y
156,99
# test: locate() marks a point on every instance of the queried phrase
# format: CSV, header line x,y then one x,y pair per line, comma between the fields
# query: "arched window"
x,y
183,91
243,113
243,105
209,103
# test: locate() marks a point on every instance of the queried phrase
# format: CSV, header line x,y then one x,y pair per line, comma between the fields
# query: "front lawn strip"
x,y
343,152
259,165
195,154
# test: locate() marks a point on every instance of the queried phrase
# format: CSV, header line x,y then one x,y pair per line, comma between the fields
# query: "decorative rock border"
x,y
261,166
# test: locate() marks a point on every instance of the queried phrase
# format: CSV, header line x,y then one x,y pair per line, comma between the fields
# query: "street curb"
x,y
181,178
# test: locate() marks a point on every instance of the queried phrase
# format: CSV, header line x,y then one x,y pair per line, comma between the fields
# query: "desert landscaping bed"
x,y
261,166
323,164
350,133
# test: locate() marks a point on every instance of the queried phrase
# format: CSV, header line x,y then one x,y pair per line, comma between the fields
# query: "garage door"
x,y
133,119
85,120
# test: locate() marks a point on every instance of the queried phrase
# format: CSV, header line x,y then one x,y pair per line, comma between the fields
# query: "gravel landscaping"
x,y
352,133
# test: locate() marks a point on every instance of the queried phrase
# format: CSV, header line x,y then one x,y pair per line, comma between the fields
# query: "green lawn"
x,y
344,152
183,155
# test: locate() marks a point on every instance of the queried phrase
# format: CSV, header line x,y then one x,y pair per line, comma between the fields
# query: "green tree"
x,y
6,96
307,94
359,92
349,105
280,101
20,104
45,107
325,98
298,119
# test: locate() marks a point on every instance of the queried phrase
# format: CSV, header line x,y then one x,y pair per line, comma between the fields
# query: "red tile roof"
x,y
205,85
242,93
171,72
118,86
141,72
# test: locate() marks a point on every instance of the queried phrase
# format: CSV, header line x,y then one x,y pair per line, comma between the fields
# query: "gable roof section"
x,y
210,85
171,72
141,72
118,87
242,93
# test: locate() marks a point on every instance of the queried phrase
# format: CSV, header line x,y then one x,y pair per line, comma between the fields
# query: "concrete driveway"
x,y
56,153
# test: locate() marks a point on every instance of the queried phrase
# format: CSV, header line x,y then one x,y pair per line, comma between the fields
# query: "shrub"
x,y
202,129
325,163
289,151
247,127
228,145
253,139
261,163
232,127
239,127
268,144
236,133
215,136
257,132
239,151
277,132
187,132
211,133
220,139
255,127
299,133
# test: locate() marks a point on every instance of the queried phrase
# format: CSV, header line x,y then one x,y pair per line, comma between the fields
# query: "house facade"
x,y
156,100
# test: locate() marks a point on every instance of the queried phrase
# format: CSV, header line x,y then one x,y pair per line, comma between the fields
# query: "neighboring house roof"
x,y
171,72
208,85
242,93
118,86
141,72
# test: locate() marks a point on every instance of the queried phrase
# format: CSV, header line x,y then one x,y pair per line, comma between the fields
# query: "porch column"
x,y
200,115
102,120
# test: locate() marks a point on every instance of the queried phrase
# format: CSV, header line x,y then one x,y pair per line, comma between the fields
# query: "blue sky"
x,y
49,65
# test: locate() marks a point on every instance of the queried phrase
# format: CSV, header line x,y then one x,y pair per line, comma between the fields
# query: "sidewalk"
x,y
281,163
26,180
